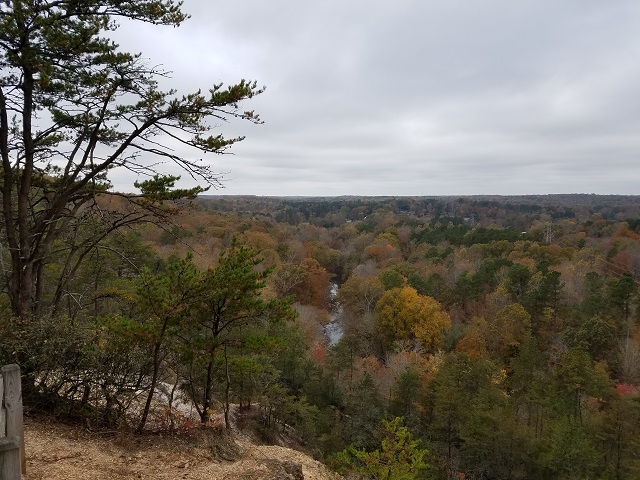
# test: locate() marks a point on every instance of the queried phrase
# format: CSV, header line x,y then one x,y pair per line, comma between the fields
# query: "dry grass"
x,y
57,451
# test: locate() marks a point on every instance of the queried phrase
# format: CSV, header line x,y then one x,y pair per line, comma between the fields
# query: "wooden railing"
x,y
12,457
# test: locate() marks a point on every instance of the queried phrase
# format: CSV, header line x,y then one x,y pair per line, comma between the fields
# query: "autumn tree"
x,y
286,277
359,295
404,314
74,107
313,287
507,330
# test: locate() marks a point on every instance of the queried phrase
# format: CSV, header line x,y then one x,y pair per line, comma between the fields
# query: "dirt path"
x,y
61,452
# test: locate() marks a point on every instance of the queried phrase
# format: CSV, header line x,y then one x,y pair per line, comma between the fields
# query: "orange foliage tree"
x,y
308,282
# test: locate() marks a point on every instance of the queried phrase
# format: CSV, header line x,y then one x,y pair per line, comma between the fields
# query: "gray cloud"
x,y
410,97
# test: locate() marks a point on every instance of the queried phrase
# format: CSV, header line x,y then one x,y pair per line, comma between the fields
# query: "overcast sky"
x,y
410,97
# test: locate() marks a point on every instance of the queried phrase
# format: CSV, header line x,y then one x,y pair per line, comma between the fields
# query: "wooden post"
x,y
10,458
13,407
3,422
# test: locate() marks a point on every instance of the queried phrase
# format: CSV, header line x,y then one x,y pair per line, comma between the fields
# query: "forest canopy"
x,y
473,337
491,357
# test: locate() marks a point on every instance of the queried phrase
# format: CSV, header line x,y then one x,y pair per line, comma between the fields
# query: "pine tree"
x,y
74,107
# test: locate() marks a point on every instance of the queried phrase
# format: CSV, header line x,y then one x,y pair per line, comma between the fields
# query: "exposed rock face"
x,y
294,470
274,470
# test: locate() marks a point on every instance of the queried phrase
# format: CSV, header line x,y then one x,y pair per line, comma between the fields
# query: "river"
x,y
334,329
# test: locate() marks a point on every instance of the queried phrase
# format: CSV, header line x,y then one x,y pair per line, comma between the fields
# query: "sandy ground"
x,y
56,451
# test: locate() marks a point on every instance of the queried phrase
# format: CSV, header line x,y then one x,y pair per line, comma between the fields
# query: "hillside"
x,y
498,337
56,451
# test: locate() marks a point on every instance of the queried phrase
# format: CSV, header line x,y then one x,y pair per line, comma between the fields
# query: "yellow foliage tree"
x,y
402,313
508,329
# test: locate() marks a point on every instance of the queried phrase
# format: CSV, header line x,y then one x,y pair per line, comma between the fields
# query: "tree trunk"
x,y
152,389
27,251
227,423
206,404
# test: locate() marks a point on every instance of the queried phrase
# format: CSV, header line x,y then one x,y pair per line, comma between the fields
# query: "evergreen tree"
x,y
73,107
399,456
